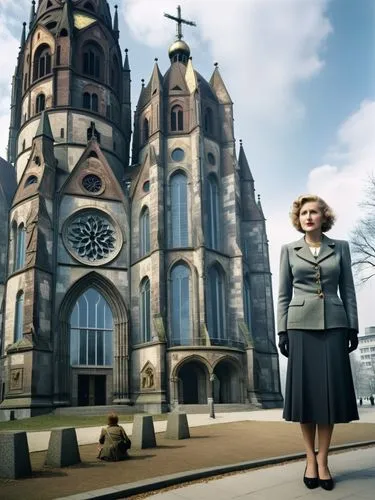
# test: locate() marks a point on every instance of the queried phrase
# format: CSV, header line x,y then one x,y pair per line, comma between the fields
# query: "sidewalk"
x,y
231,442
353,471
38,441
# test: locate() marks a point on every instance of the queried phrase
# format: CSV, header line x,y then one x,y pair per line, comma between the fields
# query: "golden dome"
x,y
179,47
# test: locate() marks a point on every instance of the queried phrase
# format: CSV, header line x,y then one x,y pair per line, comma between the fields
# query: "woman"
x,y
114,440
317,331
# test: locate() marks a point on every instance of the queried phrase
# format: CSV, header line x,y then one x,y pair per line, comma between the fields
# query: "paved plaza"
x,y
266,449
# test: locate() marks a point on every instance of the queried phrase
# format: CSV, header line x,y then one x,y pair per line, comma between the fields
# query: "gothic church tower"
x,y
68,251
201,296
145,284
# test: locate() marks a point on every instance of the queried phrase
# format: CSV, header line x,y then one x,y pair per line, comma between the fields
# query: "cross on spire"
x,y
179,20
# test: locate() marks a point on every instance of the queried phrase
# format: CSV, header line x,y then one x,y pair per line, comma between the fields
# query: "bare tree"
x,y
362,239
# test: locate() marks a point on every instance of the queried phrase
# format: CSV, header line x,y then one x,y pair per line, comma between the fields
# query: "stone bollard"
x,y
14,455
143,434
177,426
62,447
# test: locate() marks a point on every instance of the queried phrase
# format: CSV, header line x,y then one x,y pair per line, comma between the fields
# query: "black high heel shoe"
x,y
327,484
310,482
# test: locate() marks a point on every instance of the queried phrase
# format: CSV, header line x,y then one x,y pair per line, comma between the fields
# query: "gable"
x,y
93,177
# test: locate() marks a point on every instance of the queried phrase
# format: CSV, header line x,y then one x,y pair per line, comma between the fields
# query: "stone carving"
x,y
92,237
148,378
16,379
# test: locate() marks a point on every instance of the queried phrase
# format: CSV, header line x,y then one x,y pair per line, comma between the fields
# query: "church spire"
x,y
32,14
115,24
219,87
23,36
245,171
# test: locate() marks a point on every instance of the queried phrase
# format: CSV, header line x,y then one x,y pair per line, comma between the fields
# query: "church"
x,y
134,265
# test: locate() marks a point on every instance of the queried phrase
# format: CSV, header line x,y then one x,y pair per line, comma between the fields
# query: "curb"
x,y
157,483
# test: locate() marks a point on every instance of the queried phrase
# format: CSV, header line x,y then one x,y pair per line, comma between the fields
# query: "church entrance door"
x,y
193,383
91,390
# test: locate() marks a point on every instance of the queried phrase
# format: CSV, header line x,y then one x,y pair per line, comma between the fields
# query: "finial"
x,y
23,36
156,59
143,82
240,142
216,64
258,198
126,51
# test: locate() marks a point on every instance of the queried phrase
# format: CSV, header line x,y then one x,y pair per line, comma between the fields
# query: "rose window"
x,y
92,238
92,183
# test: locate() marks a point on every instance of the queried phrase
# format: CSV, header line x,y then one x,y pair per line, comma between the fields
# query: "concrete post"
x,y
14,455
143,435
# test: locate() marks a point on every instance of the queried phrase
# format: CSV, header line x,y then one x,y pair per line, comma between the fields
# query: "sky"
x,y
301,74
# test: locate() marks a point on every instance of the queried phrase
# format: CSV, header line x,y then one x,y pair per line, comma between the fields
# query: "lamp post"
x,y
211,404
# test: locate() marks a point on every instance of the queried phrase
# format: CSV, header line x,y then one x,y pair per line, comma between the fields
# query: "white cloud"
x,y
11,14
267,47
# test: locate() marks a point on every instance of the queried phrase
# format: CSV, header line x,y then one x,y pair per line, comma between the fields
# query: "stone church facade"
x,y
142,283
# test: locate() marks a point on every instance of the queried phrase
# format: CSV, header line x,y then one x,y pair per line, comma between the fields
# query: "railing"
x,y
178,342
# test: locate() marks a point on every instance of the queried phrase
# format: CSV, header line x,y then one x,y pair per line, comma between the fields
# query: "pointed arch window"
x,y
145,311
180,305
91,331
216,304
42,61
247,302
86,100
18,318
213,213
208,121
94,102
92,60
144,225
90,101
179,210
146,130
177,119
40,103
20,247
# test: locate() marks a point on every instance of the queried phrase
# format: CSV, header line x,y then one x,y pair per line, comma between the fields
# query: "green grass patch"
x,y
47,422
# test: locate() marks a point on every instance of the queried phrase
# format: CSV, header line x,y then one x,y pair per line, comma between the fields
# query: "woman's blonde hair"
x,y
112,419
328,215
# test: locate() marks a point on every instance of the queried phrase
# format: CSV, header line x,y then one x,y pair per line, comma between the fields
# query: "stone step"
x,y
219,408
97,410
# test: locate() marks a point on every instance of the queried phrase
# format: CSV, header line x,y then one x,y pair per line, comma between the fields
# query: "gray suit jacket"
x,y
308,287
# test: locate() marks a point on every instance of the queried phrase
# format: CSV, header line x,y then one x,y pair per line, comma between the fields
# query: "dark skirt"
x,y
319,384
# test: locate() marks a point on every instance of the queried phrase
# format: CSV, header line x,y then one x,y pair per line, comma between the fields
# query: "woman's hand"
x,y
352,340
284,344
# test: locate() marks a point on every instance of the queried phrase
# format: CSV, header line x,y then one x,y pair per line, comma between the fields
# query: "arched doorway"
x,y
192,387
91,348
227,386
91,365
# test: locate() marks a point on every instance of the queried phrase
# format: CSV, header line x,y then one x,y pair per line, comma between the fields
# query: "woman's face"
x,y
311,217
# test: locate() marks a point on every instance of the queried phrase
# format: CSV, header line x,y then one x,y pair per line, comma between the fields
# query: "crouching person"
x,y
113,440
